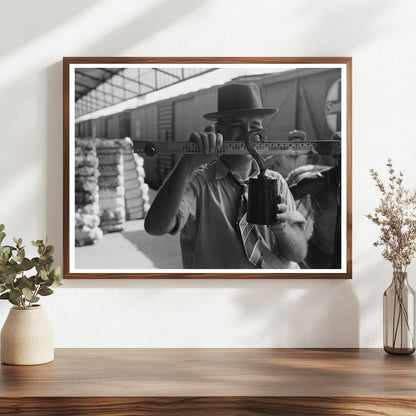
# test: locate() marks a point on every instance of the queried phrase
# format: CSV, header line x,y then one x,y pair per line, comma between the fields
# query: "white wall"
x,y
380,35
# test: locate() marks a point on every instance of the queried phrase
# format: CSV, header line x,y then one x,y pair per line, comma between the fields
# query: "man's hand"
x,y
281,217
209,144
161,217
290,238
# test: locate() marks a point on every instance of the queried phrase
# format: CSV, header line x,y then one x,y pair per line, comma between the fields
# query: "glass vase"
x,y
399,316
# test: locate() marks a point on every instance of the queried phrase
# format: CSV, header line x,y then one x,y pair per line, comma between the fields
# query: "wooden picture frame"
x,y
314,99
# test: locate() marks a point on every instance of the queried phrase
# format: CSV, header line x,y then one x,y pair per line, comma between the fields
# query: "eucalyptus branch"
x,y
16,284
35,294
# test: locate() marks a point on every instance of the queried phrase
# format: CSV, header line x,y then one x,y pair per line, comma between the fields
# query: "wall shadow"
x,y
157,18
336,17
146,24
54,167
43,16
301,313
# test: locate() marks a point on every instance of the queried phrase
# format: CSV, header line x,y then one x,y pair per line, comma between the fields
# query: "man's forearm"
x,y
161,217
291,243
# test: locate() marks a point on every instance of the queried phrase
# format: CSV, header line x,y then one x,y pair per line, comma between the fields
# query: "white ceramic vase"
x,y
27,337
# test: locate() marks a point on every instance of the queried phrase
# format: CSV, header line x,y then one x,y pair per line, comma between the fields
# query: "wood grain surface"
x,y
212,381
207,406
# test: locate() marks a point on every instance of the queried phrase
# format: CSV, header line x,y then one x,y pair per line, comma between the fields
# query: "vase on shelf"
x,y
27,337
399,316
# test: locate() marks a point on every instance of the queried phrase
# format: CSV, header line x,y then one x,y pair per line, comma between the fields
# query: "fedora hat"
x,y
240,100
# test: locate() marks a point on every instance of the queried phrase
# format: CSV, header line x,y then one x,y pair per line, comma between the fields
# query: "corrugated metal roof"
x,y
98,88
88,79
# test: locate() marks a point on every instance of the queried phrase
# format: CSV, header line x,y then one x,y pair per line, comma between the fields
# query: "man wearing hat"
x,y
202,197
285,163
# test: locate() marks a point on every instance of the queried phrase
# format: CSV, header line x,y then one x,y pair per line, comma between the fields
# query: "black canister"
x,y
262,200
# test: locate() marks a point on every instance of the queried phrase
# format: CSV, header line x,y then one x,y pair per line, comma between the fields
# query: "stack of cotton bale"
x,y
111,184
87,218
136,190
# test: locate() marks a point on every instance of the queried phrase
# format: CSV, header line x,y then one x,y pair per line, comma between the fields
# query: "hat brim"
x,y
257,112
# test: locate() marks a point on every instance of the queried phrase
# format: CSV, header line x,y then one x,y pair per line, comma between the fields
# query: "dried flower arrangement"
x,y
396,217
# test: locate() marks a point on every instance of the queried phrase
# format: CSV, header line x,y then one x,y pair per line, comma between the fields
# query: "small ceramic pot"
x,y
27,337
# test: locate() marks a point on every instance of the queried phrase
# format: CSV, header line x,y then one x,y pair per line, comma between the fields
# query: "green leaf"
x,y
18,242
49,250
5,250
48,260
11,248
4,254
48,282
24,282
43,275
7,297
2,227
38,280
26,264
58,276
41,247
9,277
3,258
21,255
2,288
13,302
15,294
2,236
27,293
45,291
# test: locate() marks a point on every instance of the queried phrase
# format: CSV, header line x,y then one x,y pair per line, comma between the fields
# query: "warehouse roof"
x,y
101,87
88,79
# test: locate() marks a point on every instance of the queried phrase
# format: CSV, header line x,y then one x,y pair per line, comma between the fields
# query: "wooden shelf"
x,y
212,382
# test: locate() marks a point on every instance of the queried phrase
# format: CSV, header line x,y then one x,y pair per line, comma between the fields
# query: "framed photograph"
x,y
207,167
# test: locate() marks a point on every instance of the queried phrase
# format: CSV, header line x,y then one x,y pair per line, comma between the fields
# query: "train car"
x,y
98,128
301,96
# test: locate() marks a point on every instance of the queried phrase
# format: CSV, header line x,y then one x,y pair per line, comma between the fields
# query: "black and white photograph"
x,y
221,168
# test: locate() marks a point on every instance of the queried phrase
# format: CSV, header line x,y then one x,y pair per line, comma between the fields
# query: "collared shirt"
x,y
207,219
